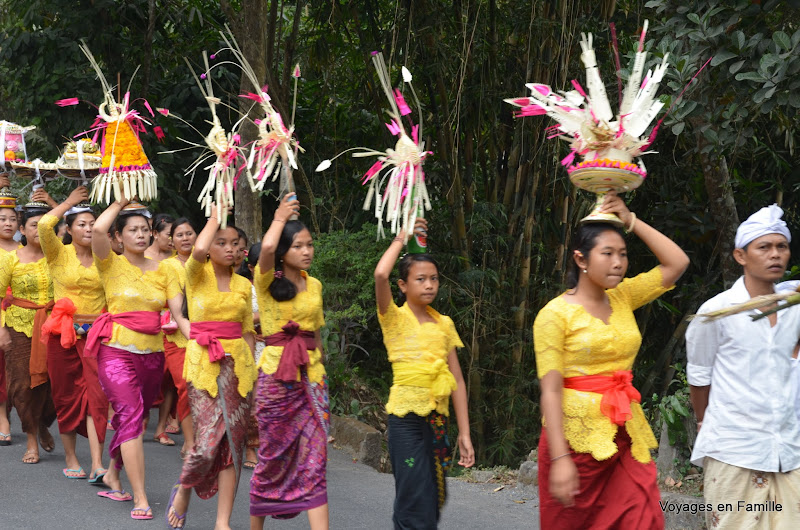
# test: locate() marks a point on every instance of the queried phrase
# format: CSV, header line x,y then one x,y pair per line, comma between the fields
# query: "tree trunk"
x,y
722,205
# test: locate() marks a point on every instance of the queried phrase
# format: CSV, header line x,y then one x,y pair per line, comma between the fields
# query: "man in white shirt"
x,y
739,373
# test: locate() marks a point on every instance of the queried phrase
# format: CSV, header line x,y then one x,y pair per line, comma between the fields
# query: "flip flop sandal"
x,y
148,514
97,479
116,495
5,438
163,439
249,464
109,427
31,452
171,429
181,518
74,473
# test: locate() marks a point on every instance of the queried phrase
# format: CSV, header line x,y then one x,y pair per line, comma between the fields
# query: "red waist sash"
x,y
147,322
208,334
296,344
617,390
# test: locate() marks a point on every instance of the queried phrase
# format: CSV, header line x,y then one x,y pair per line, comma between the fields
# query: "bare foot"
x,y
111,480
46,439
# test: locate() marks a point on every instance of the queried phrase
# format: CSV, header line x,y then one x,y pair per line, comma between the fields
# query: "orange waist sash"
x,y
617,391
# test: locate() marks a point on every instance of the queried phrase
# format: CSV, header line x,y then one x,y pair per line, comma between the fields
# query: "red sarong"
x,y
174,358
208,335
615,493
76,389
147,322
617,391
296,344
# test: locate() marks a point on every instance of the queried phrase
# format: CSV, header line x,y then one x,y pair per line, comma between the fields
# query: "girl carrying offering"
x,y
127,340
81,405
291,398
219,371
595,469
421,344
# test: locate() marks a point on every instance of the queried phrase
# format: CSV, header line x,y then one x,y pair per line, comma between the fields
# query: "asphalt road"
x,y
38,496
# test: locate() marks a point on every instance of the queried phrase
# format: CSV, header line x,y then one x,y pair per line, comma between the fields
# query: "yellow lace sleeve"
x,y
549,332
194,270
453,340
642,288
48,239
104,265
315,286
262,281
172,284
245,289
6,270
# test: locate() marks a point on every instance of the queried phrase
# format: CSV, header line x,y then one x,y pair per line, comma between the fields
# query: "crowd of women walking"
x,y
129,312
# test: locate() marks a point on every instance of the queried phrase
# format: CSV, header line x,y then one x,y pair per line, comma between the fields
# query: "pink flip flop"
x,y
116,495
148,513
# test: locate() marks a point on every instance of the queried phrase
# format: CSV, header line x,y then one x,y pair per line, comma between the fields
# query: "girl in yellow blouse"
x,y
8,227
25,271
220,373
592,473
291,398
80,403
183,237
421,344
127,340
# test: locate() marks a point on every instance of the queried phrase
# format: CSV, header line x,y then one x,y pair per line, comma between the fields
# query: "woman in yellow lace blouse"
x,y
127,340
25,271
595,469
421,345
80,403
183,237
8,227
291,399
220,373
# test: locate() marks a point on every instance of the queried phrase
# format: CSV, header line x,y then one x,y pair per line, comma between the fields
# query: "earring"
x,y
120,246
584,271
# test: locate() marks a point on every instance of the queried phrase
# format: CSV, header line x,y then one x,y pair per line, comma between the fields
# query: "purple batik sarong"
x,y
293,419
131,381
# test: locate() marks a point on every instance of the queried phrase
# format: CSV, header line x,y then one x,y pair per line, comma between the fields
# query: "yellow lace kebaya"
x,y
413,350
4,252
176,268
70,278
30,281
127,288
208,303
305,309
574,343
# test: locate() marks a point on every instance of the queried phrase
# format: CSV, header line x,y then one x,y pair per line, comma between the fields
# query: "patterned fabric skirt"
x,y
220,433
3,389
76,389
616,493
34,405
131,382
173,365
757,500
293,422
419,451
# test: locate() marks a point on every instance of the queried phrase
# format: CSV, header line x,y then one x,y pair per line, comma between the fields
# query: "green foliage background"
x,y
503,206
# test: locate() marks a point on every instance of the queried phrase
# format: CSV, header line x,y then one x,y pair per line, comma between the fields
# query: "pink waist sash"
x,y
208,335
147,322
296,344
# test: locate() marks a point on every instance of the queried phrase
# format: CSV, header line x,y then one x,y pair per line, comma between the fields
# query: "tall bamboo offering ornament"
x,y
221,147
605,144
125,168
275,151
396,180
